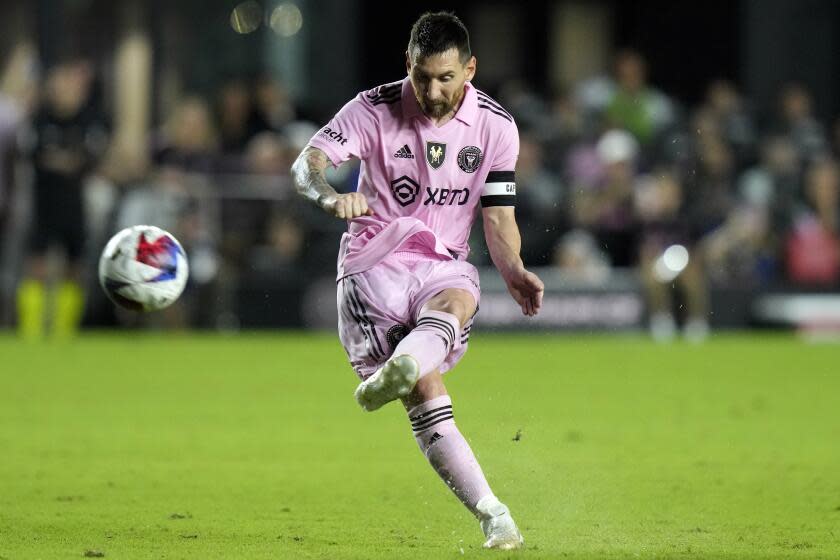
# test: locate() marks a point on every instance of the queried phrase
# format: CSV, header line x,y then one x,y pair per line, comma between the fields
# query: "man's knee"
x,y
454,301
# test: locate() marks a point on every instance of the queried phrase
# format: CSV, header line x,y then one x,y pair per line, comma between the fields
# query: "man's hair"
x,y
436,33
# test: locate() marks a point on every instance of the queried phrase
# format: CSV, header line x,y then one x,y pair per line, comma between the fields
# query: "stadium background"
x,y
731,109
218,441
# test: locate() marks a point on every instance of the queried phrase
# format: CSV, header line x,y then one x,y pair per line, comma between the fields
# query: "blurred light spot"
x,y
286,19
246,17
672,262
676,258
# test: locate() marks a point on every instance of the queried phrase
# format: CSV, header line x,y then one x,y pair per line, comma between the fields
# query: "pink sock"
x,y
431,341
447,450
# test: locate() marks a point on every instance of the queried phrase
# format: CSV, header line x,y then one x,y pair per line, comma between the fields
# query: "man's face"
x,y
438,80
68,86
631,72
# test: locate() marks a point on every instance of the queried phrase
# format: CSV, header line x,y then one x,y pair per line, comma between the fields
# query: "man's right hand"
x,y
309,180
346,206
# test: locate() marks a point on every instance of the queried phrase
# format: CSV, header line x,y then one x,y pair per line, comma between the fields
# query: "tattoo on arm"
x,y
308,176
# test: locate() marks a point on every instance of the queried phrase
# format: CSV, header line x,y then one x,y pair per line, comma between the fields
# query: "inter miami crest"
x,y
396,334
405,190
435,153
469,158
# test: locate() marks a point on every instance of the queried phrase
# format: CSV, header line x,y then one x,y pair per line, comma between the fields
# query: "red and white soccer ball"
x,y
143,268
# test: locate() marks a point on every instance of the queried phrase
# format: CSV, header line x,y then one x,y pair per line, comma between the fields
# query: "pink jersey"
x,y
424,183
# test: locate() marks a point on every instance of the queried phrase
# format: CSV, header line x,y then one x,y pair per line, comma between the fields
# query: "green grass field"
x,y
251,446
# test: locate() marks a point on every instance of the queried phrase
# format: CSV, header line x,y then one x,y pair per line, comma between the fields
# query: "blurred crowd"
x,y
612,173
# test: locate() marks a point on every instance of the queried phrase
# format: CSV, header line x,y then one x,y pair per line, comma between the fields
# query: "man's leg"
x,y
422,351
432,420
429,409
693,283
32,299
69,303
438,329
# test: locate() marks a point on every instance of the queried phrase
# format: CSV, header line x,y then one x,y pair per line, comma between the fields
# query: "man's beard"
x,y
439,109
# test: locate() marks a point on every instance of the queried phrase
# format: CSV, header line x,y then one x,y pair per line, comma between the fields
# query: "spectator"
x,y
822,192
189,141
734,124
566,128
661,209
269,154
70,138
740,251
797,122
239,120
245,214
185,152
17,98
542,203
774,184
634,105
710,193
606,208
273,104
11,118
17,95
813,246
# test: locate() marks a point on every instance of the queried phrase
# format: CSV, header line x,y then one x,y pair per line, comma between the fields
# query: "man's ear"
x,y
407,63
470,68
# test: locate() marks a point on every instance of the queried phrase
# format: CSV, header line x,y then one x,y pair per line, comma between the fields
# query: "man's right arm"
x,y
311,183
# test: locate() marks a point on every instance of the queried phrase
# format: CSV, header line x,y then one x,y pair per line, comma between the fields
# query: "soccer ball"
x,y
143,268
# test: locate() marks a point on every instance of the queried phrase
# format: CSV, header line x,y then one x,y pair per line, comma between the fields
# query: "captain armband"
x,y
499,189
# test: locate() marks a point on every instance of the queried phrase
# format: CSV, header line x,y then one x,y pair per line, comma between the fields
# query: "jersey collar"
x,y
466,112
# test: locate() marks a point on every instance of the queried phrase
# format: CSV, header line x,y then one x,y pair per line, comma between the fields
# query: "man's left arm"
x,y
504,244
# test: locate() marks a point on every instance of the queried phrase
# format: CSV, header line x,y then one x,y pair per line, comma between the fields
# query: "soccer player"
x,y
433,148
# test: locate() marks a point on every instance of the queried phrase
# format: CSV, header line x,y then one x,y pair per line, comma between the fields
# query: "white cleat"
x,y
663,328
696,330
498,525
392,381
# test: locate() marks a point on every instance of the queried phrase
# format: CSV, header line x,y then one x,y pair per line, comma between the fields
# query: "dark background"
x,y
759,44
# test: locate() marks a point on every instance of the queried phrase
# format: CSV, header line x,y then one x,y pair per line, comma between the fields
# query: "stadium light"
x,y
286,19
246,17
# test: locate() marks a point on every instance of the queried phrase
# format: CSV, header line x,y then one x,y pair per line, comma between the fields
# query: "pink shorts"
x,y
378,307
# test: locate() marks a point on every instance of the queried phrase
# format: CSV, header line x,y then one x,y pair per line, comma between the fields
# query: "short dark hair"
x,y
435,33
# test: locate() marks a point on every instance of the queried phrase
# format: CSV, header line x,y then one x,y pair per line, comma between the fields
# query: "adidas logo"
x,y
435,436
404,152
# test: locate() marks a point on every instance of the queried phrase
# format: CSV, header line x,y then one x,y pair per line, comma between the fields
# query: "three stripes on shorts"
x,y
359,313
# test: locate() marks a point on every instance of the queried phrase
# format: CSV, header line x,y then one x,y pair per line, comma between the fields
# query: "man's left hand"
x,y
527,289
